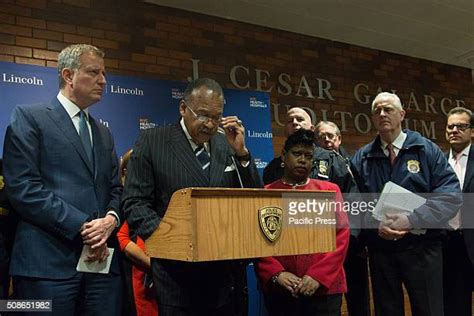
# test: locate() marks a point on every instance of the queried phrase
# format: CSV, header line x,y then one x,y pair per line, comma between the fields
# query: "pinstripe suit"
x,y
163,162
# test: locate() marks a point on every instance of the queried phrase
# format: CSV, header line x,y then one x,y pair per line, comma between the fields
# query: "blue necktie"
x,y
85,135
203,157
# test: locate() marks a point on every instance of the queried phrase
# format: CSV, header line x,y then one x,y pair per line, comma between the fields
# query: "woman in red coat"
x,y
305,284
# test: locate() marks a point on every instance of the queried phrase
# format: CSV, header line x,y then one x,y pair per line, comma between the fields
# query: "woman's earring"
x,y
282,164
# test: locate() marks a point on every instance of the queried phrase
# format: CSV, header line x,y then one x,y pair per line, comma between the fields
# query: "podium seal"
x,y
270,219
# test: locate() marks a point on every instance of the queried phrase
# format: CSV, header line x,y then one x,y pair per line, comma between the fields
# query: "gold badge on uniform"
x,y
270,219
323,169
413,166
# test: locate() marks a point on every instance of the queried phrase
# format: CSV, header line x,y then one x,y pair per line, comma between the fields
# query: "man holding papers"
x,y
61,175
397,255
458,253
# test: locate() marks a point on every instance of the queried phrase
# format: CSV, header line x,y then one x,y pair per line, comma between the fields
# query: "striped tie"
x,y
203,157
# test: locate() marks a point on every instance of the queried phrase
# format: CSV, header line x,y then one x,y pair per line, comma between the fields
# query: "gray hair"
x,y
334,125
462,110
211,84
396,100
70,57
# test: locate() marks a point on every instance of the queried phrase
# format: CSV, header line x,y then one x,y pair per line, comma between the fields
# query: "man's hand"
x,y
98,254
308,286
95,233
289,282
235,134
388,233
399,222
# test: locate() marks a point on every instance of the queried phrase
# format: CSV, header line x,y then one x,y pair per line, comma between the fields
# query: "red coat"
x,y
326,268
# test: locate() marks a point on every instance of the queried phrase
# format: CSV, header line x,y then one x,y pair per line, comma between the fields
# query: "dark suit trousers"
x,y
280,303
84,294
357,277
419,268
458,276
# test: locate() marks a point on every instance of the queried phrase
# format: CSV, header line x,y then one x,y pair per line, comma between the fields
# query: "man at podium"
x,y
195,152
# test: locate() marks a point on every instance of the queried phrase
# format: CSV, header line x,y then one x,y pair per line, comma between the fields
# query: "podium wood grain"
x,y
206,224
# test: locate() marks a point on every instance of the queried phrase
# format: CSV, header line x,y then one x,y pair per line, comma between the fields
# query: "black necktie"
x,y
203,157
85,135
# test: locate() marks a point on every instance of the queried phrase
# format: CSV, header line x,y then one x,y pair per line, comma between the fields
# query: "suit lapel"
x,y
59,115
179,145
469,169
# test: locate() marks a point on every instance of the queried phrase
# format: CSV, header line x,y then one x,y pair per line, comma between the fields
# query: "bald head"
x,y
297,118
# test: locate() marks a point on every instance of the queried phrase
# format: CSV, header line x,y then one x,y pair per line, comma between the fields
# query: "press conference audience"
x,y
58,216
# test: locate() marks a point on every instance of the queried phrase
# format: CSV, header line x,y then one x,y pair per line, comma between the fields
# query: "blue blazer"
x,y
55,188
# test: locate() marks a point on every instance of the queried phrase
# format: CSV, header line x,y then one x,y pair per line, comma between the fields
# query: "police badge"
x,y
323,171
270,219
413,166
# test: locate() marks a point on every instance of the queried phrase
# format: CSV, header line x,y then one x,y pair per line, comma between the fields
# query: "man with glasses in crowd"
x,y
458,253
191,153
328,136
399,254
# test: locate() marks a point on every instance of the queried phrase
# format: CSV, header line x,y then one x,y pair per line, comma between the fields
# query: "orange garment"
x,y
145,302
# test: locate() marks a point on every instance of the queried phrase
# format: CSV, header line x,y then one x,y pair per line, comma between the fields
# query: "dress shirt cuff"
x,y
114,214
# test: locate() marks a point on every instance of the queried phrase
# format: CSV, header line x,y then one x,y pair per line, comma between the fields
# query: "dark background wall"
x,y
144,40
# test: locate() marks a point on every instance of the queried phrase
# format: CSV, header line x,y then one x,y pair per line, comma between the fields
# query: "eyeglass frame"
x,y
330,136
204,118
460,127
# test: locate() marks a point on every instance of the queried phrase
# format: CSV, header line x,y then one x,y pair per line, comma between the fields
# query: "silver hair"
x,y
70,57
396,100
338,131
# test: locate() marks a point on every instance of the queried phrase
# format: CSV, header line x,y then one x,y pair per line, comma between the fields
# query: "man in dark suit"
x,y
458,250
329,137
190,153
61,172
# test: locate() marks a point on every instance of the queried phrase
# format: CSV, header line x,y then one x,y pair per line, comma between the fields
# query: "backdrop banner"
x,y
131,104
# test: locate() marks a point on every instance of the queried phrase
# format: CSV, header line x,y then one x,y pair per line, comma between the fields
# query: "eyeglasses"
x,y
460,127
386,109
204,118
328,136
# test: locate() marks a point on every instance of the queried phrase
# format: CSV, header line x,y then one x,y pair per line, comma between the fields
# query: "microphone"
x,y
222,131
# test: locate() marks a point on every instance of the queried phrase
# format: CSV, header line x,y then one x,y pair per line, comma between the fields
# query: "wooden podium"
x,y
206,224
